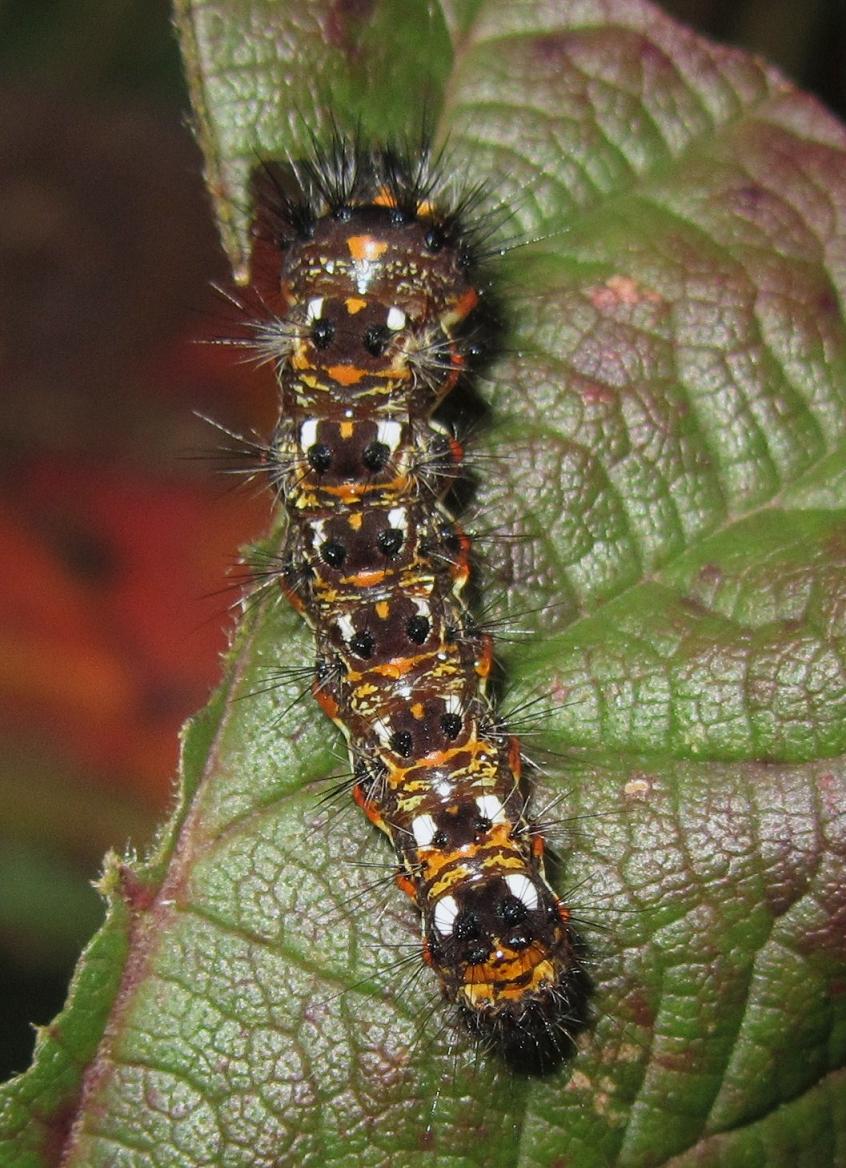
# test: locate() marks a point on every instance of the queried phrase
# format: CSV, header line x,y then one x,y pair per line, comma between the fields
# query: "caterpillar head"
x,y
383,251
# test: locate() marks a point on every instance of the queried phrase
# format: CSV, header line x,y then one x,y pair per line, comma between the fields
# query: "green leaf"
x,y
668,424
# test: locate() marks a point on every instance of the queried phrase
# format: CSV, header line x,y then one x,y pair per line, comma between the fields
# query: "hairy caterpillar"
x,y
370,277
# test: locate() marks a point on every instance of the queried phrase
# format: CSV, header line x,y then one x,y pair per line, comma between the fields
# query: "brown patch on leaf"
x,y
343,21
57,1131
639,1010
595,393
138,895
639,786
621,290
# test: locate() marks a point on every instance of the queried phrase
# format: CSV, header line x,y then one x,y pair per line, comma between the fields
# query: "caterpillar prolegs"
x,y
373,288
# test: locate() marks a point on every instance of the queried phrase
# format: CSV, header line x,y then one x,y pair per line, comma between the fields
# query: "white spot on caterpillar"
x,y
491,808
522,887
308,433
383,732
346,627
423,829
397,517
452,704
446,910
389,433
396,319
315,308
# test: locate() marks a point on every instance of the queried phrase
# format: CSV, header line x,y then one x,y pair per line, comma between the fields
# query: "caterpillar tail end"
x,y
507,957
533,1033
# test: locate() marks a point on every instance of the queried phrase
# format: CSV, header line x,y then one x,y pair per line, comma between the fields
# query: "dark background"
x,y
115,545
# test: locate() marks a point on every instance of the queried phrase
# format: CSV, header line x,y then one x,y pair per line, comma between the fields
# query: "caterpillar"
x,y
372,279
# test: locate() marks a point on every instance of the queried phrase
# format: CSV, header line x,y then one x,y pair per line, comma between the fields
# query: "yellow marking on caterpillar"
x,y
488,993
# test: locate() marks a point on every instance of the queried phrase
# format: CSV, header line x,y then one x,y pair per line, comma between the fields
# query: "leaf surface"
x,y
668,426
